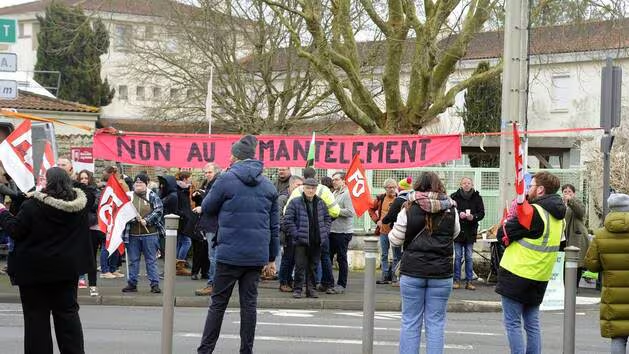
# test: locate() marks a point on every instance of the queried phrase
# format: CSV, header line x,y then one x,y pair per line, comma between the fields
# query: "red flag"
x,y
16,155
114,211
48,160
358,187
524,210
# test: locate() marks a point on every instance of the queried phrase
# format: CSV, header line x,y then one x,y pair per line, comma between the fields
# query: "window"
x,y
157,93
20,30
174,93
561,93
123,92
189,94
139,93
148,32
122,37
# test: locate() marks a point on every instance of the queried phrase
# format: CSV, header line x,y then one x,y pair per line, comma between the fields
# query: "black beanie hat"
x,y
142,178
245,147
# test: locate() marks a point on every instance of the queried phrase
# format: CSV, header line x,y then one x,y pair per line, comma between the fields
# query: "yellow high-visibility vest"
x,y
535,258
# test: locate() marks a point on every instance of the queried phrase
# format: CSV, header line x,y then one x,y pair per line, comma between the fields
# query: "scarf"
x,y
432,202
466,195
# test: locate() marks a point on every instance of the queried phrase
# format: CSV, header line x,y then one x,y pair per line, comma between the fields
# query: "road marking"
x,y
377,316
319,326
320,340
359,327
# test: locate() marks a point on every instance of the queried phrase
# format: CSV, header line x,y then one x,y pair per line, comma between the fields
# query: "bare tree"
x,y
420,48
258,86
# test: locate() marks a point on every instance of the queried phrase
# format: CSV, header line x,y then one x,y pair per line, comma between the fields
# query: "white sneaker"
x,y
93,291
107,275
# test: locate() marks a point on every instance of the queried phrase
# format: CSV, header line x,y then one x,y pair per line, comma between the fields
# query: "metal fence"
x,y
486,182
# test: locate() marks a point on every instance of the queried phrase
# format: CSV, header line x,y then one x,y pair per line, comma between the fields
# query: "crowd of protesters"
x,y
296,229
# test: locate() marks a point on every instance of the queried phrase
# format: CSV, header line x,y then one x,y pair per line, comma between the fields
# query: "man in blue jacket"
x,y
248,239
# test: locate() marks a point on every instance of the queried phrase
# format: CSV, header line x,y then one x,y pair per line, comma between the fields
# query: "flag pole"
x,y
208,100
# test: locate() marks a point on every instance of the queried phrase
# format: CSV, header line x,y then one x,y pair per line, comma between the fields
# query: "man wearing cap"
x,y
307,223
609,253
245,202
141,235
528,261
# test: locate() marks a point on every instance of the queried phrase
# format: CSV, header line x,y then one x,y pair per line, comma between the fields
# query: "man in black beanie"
x,y
245,202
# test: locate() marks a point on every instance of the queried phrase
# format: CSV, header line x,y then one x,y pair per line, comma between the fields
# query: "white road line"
x,y
320,340
359,327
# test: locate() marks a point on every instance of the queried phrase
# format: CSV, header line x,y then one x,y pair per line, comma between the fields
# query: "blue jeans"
x,y
619,345
108,264
423,301
211,253
514,313
324,275
459,249
147,246
388,273
183,246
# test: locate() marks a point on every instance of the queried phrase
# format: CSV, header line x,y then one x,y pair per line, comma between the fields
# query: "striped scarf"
x,y
432,202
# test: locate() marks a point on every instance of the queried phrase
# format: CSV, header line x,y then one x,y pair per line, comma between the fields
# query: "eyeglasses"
x,y
389,187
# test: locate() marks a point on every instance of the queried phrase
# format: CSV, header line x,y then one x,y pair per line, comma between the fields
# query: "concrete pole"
x,y
570,297
514,90
172,224
369,293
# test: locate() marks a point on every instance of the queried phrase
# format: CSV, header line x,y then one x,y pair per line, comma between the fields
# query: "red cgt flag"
x,y
358,187
523,208
114,211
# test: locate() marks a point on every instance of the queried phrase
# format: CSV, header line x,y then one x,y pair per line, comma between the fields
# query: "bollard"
x,y
172,224
369,293
570,297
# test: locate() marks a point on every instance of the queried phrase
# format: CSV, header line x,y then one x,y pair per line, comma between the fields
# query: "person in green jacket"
x,y
576,232
609,254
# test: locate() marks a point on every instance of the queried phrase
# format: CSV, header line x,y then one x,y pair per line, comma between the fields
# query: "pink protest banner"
x,y
332,151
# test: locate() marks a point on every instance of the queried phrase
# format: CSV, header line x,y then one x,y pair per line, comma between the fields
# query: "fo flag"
x,y
114,211
523,208
48,160
357,186
16,155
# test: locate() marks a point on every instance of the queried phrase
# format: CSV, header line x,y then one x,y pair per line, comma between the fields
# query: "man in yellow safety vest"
x,y
528,261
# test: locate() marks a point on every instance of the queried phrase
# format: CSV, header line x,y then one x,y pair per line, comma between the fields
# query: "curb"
x,y
279,303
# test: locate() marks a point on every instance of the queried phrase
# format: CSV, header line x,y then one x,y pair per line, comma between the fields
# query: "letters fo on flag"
x,y
358,188
114,211
16,154
524,209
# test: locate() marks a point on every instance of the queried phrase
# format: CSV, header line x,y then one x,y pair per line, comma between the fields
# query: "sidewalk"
x,y
483,299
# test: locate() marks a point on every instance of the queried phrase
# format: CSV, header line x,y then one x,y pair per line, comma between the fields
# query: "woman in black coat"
x,y
52,247
471,211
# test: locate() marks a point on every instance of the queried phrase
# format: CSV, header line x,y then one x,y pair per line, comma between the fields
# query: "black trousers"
x,y
224,280
306,259
97,236
38,302
200,259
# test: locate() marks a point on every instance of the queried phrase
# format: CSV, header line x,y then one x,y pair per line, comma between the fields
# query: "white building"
x,y
126,20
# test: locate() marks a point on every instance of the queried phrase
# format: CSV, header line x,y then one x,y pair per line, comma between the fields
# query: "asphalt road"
x,y
136,330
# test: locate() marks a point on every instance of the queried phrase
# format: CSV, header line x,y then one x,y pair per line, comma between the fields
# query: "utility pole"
x,y
514,91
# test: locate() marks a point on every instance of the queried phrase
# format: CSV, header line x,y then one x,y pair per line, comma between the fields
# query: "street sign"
x,y
8,29
8,89
8,62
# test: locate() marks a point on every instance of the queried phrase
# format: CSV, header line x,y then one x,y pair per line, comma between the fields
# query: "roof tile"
x,y
32,101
